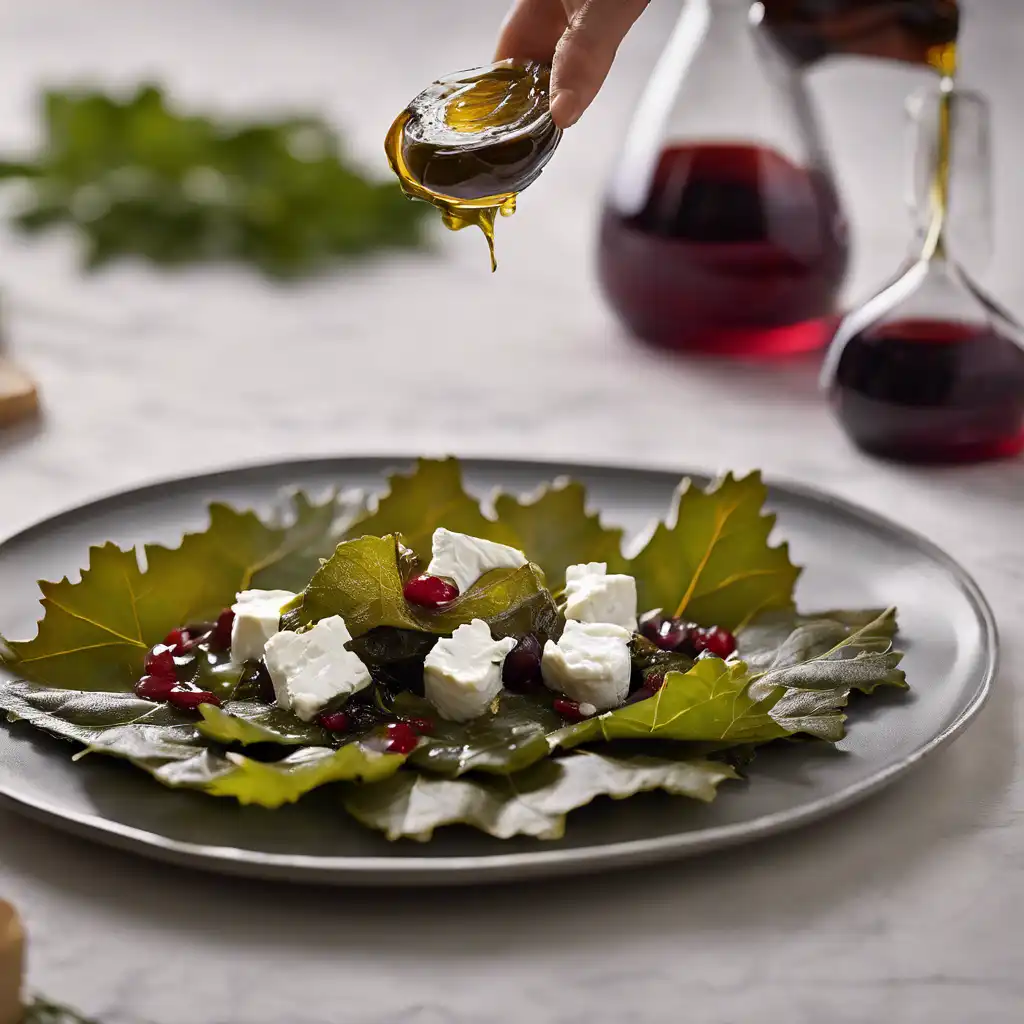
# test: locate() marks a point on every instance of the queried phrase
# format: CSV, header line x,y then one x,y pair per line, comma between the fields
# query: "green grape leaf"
x,y
429,497
711,561
533,802
725,704
555,529
362,583
806,636
277,783
167,744
511,737
96,631
249,722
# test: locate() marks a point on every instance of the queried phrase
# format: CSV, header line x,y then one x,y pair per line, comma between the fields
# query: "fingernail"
x,y
564,107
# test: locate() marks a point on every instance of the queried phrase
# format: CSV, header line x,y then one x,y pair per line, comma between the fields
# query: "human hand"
x,y
579,38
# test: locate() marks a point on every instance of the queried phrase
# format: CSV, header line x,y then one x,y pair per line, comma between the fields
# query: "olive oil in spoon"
x,y
471,142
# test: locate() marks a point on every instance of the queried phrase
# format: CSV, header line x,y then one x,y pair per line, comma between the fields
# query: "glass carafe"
x,y
931,369
722,230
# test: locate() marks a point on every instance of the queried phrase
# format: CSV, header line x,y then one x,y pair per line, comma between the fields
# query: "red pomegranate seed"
x,y
160,662
424,726
180,641
220,637
430,591
715,640
335,721
189,700
650,624
155,687
569,709
402,738
654,681
672,635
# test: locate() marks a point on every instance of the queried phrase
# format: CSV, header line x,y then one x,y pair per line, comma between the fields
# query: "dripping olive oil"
x,y
471,142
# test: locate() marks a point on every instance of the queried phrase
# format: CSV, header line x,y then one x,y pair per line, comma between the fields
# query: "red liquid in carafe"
x,y
932,391
735,250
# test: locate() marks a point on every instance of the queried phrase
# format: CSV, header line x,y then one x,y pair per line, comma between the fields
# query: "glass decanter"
x,y
722,229
931,369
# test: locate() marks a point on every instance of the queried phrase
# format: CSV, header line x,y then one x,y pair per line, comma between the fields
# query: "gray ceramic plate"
x,y
853,558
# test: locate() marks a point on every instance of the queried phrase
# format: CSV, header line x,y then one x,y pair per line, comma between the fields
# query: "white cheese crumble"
x,y
311,669
590,664
594,596
257,619
465,559
462,676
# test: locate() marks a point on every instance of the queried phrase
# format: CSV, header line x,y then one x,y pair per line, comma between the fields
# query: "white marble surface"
x,y
907,909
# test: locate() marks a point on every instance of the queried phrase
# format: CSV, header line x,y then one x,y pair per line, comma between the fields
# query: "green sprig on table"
x,y
42,1011
135,177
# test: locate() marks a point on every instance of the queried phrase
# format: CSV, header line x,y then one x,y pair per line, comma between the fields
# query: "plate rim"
x,y
476,869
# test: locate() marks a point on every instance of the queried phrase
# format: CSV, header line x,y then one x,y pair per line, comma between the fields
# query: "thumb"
x,y
585,53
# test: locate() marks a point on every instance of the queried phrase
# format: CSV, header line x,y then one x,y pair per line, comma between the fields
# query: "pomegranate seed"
x,y
569,709
650,624
175,637
430,591
716,641
521,670
335,721
155,687
220,637
189,700
402,738
653,682
160,662
672,635
180,641
424,726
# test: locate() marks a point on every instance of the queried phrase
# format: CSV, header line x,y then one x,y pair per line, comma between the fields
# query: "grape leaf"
x,y
281,782
362,583
167,744
506,740
860,658
806,635
249,723
711,562
533,802
96,631
431,496
725,703
555,529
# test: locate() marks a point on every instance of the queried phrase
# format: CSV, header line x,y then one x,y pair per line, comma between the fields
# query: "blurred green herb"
x,y
42,1011
137,178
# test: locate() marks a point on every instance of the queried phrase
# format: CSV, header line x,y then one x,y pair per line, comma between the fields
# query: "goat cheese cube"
x,y
462,676
590,664
311,669
594,596
257,619
465,559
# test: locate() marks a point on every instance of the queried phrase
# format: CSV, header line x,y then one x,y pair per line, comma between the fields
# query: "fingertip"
x,y
565,108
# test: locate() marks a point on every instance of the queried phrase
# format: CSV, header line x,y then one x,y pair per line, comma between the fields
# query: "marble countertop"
x,y
906,909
